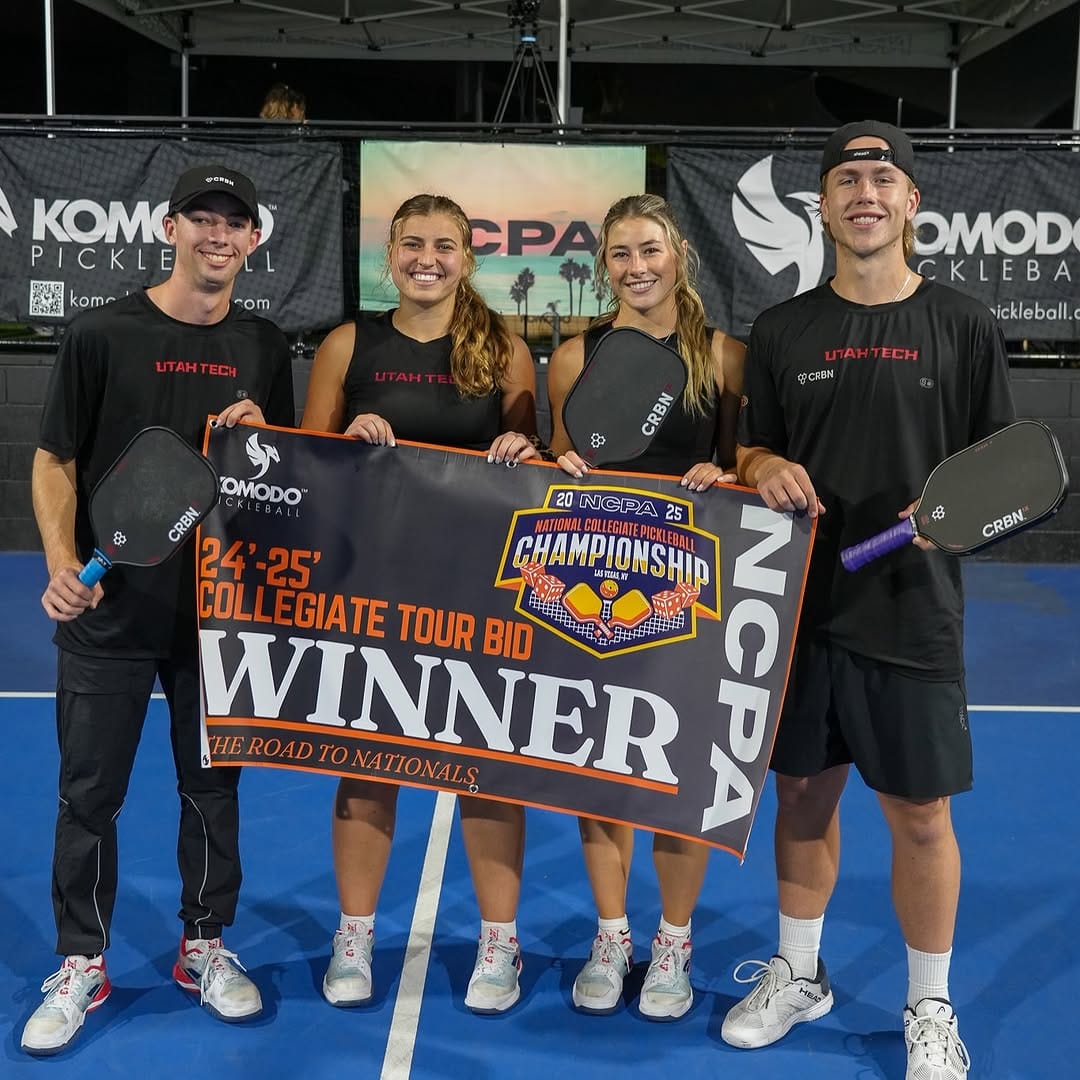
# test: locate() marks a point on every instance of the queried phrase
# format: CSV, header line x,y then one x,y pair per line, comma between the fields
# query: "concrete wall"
x,y
1052,395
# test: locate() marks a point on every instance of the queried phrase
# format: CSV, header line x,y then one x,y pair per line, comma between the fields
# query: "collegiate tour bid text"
x,y
245,585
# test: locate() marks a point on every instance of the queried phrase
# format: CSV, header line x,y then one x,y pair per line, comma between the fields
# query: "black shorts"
x,y
908,737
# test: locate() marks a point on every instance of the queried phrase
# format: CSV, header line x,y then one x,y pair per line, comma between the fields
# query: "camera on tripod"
x,y
525,17
525,14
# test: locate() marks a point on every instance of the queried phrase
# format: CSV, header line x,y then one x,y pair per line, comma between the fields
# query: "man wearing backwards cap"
x,y
170,355
854,392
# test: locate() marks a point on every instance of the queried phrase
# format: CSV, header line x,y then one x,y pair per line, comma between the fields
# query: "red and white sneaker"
x,y
79,987
347,981
598,988
666,993
217,976
494,987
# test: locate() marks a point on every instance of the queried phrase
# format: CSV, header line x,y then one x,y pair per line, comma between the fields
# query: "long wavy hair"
x,y
481,348
695,345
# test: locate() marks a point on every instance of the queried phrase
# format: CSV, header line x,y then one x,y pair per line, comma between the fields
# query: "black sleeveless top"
x,y
685,437
409,384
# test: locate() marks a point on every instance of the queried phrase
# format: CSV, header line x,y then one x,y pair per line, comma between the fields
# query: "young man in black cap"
x,y
170,355
854,392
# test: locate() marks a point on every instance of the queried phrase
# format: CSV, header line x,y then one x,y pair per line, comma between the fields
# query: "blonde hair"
x,y
909,227
695,345
283,103
481,348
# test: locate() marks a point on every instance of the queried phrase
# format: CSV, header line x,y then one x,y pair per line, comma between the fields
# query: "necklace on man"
x,y
903,286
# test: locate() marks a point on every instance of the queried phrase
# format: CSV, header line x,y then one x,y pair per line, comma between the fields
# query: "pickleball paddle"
x,y
987,492
147,504
627,389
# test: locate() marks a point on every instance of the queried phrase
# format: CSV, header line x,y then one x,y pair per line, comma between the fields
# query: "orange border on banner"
x,y
424,744
511,758
704,840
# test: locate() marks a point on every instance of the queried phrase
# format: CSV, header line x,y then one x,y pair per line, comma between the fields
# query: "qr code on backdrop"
x,y
47,299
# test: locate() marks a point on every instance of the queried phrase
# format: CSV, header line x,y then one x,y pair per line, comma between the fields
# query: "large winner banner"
x,y
535,210
1001,226
614,647
81,224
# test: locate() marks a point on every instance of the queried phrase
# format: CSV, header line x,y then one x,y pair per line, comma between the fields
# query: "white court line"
x,y
401,1041
971,708
1025,708
47,693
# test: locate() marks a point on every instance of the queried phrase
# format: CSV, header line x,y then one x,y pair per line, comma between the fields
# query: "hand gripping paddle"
x,y
1008,482
145,506
625,392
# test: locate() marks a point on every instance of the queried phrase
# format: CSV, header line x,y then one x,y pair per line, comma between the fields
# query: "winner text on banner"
x,y
614,647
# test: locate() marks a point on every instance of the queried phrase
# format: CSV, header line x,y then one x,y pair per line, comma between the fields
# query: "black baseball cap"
x,y
900,151
205,179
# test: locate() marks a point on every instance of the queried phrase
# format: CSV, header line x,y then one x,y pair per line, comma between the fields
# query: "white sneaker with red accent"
x,y
217,976
598,988
79,987
347,981
494,987
666,993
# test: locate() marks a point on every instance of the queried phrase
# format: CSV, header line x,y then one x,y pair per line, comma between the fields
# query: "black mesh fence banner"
x,y
81,224
1002,226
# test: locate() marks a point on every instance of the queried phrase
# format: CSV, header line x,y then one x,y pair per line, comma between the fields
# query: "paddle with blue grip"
x,y
987,492
149,502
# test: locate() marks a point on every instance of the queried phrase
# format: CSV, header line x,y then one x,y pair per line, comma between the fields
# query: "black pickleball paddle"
x,y
144,508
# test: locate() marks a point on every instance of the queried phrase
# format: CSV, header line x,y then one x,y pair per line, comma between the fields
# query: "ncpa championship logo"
x,y
612,569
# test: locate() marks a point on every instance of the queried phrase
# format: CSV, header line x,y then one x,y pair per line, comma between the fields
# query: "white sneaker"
x,y
935,1051
347,981
209,969
493,987
79,987
666,992
777,1003
599,986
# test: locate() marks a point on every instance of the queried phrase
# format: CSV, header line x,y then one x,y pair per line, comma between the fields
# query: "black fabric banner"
x,y
616,647
81,225
1000,226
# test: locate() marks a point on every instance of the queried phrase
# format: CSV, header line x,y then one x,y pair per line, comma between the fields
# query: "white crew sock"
x,y
506,930
800,943
672,932
354,924
928,975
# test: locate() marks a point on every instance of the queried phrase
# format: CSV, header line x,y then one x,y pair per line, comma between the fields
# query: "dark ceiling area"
x,y
106,68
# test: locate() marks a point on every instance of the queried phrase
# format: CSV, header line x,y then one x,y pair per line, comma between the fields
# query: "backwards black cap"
x,y
205,179
900,151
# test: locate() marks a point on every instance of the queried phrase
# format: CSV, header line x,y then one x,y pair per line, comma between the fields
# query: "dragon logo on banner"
x,y
260,456
8,223
776,235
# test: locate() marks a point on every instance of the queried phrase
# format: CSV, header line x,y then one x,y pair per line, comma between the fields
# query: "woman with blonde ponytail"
x,y
439,368
648,265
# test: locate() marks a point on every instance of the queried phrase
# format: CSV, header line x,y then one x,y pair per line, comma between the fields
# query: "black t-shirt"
x,y
126,366
408,383
684,439
868,400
